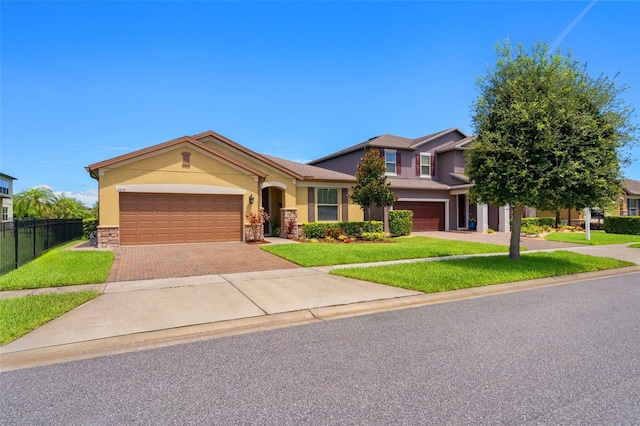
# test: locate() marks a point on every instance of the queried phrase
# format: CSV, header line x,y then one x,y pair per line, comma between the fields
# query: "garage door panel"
x,y
427,216
179,218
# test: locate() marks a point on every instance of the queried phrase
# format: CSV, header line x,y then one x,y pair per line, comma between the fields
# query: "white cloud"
x,y
88,197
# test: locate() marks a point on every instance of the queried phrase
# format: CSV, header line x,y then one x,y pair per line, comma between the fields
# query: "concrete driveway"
x,y
191,260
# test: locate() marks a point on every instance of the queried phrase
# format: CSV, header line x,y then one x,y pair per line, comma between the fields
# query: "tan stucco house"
x,y
630,199
200,189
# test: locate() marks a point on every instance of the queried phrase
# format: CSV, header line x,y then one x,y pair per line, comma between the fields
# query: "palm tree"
x,y
33,202
64,207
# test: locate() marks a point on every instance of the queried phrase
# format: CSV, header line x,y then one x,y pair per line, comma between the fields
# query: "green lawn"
x,y
60,267
597,238
634,245
436,276
20,315
325,254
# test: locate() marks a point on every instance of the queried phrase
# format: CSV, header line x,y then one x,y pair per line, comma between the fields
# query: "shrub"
x,y
539,221
373,236
351,229
400,222
531,229
622,225
333,232
89,225
314,230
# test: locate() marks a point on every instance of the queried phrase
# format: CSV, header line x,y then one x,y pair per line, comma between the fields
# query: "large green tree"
x,y
548,135
372,188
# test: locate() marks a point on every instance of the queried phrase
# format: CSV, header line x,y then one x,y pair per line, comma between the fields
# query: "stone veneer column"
x,y
108,236
285,216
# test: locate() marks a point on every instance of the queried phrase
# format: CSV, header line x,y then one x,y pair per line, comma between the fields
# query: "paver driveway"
x,y
189,260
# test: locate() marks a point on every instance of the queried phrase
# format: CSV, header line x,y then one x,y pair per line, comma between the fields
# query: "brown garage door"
x,y
427,216
179,218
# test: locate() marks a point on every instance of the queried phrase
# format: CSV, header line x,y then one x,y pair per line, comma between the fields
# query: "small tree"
x,y
549,135
372,188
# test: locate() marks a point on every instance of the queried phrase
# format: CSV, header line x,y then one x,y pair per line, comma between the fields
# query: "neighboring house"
x,y
630,198
200,189
6,197
427,174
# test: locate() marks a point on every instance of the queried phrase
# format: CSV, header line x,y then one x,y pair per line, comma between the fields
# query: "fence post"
x,y
15,240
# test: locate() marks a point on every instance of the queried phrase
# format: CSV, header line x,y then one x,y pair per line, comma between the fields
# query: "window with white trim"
x,y
390,161
425,165
327,204
5,214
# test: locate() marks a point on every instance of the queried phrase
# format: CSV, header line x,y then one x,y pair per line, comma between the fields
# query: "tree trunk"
x,y
516,225
557,219
369,217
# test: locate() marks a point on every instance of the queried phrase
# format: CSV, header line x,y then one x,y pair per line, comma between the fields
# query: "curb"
x,y
194,333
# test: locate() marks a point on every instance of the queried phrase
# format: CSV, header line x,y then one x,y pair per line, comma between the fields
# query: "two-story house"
x,y
427,175
6,197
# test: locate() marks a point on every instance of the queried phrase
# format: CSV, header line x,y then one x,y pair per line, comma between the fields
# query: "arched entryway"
x,y
272,202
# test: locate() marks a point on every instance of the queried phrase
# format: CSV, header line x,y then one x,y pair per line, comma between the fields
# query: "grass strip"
x,y
637,245
445,275
325,254
597,238
60,267
20,315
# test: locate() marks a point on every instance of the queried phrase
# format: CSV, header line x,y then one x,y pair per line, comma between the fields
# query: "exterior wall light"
x,y
251,199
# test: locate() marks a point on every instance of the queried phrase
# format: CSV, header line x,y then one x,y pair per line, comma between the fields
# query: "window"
x,y
5,214
425,165
327,204
390,160
633,206
4,187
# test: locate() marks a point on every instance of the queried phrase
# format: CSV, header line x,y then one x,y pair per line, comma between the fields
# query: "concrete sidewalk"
x,y
135,315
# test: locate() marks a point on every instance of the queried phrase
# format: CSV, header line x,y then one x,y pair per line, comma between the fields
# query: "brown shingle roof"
x,y
631,186
399,183
310,172
459,145
388,141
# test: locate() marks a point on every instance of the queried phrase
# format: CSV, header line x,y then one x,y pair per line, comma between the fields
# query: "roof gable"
x,y
246,151
155,149
631,187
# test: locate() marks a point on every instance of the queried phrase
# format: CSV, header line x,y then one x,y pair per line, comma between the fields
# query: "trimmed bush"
x,y
373,236
542,222
335,229
629,225
314,230
89,225
400,222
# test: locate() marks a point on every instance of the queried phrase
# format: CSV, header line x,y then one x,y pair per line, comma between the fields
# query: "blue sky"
x,y
82,82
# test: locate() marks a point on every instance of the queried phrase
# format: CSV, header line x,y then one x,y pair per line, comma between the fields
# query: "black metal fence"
x,y
24,240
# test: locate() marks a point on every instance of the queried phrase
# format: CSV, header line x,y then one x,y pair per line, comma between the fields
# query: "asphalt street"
x,y
565,354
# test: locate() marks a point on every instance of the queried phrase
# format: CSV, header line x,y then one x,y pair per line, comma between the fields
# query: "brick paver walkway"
x,y
189,260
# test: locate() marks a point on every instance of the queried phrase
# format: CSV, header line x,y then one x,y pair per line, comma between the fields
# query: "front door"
x,y
462,211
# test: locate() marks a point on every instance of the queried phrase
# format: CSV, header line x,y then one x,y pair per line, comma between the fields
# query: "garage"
x,y
427,215
153,218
